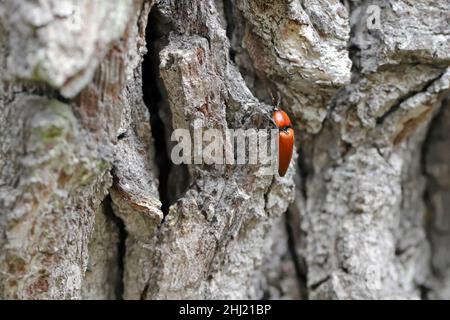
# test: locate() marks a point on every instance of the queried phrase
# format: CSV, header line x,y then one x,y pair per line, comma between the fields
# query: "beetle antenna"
x,y
279,99
275,104
271,95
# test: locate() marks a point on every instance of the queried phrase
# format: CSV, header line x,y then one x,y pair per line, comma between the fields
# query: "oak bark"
x,y
91,206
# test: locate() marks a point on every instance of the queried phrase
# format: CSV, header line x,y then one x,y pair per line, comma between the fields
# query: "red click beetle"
x,y
285,139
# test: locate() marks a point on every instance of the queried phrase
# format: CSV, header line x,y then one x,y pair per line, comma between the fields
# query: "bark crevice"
x,y
153,95
299,263
435,168
121,248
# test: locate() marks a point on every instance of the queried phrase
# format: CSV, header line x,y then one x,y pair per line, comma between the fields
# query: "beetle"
x,y
285,138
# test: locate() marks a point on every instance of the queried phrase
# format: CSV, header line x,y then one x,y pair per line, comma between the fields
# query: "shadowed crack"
x,y
152,98
411,94
109,212
173,180
299,264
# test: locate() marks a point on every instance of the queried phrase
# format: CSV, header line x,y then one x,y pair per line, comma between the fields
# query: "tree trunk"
x,y
92,207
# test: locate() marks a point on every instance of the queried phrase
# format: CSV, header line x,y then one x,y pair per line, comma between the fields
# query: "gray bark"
x,y
92,208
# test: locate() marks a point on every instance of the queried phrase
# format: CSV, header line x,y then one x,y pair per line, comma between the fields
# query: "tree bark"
x,y
91,206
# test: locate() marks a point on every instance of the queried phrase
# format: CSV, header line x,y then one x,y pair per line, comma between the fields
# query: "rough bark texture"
x,y
91,207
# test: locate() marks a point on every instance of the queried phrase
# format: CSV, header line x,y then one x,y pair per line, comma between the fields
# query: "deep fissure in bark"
x,y
121,247
229,20
299,263
426,193
436,129
152,99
